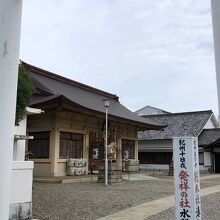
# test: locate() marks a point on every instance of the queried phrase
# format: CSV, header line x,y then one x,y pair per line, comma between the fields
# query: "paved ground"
x,y
210,205
93,201
145,210
210,209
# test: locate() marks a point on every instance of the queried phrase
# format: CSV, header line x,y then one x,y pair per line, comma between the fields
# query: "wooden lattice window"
x,y
40,145
128,149
71,145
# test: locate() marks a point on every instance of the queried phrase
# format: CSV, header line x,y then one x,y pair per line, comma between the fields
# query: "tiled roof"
x,y
179,124
209,136
54,87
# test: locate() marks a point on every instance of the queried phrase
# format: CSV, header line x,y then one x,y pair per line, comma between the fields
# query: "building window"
x,y
40,145
128,149
155,157
201,158
71,145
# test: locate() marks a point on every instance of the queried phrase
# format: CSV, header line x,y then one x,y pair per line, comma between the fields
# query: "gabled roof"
x,y
179,124
209,136
54,86
150,110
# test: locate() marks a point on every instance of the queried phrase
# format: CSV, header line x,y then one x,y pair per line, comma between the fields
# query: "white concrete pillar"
x,y
10,25
216,34
19,145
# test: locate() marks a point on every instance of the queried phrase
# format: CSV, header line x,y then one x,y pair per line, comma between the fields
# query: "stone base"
x,y
114,173
171,171
132,168
131,165
21,211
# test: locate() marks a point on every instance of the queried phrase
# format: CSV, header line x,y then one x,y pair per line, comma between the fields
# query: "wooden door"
x,y
217,162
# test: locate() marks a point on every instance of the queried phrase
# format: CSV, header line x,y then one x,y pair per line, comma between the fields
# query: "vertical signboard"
x,y
186,177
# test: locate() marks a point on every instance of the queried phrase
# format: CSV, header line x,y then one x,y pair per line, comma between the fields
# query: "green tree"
x,y
24,93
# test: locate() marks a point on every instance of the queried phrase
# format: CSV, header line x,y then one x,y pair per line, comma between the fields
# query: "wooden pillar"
x,y
54,151
119,152
86,146
136,149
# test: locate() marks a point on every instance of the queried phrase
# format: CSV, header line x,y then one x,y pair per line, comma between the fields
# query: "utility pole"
x,y
216,33
10,26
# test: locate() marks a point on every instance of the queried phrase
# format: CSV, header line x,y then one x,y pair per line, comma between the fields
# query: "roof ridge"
x,y
142,108
66,80
205,124
180,113
151,107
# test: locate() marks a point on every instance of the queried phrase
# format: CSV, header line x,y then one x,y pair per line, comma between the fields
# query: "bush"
x,y
24,93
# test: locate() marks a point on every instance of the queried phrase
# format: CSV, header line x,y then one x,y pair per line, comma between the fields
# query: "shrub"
x,y
24,93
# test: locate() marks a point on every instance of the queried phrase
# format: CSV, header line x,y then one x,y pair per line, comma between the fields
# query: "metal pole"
x,y
106,144
10,26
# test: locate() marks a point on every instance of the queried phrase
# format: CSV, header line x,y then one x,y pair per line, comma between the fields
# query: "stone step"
x,y
66,180
44,180
132,168
110,172
132,162
112,167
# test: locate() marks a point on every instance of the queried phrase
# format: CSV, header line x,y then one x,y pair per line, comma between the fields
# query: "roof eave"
x,y
139,125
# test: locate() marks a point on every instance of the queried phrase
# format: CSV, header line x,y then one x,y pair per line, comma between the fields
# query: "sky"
x,y
148,52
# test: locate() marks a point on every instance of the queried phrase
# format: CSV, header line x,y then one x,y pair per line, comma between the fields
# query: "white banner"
x,y
186,177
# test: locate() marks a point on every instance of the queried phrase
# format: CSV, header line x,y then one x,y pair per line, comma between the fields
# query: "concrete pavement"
x,y
145,210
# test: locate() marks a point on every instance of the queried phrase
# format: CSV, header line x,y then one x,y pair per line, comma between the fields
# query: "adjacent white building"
x,y
150,110
22,173
156,148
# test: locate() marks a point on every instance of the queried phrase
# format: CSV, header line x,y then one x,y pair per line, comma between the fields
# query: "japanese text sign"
x,y
186,177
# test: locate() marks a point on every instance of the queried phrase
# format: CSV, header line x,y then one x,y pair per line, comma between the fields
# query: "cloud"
x,y
148,52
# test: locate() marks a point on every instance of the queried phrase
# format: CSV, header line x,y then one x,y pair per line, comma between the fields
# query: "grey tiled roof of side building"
x,y
209,136
179,124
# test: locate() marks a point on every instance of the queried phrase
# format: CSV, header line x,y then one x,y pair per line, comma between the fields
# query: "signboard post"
x,y
186,178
